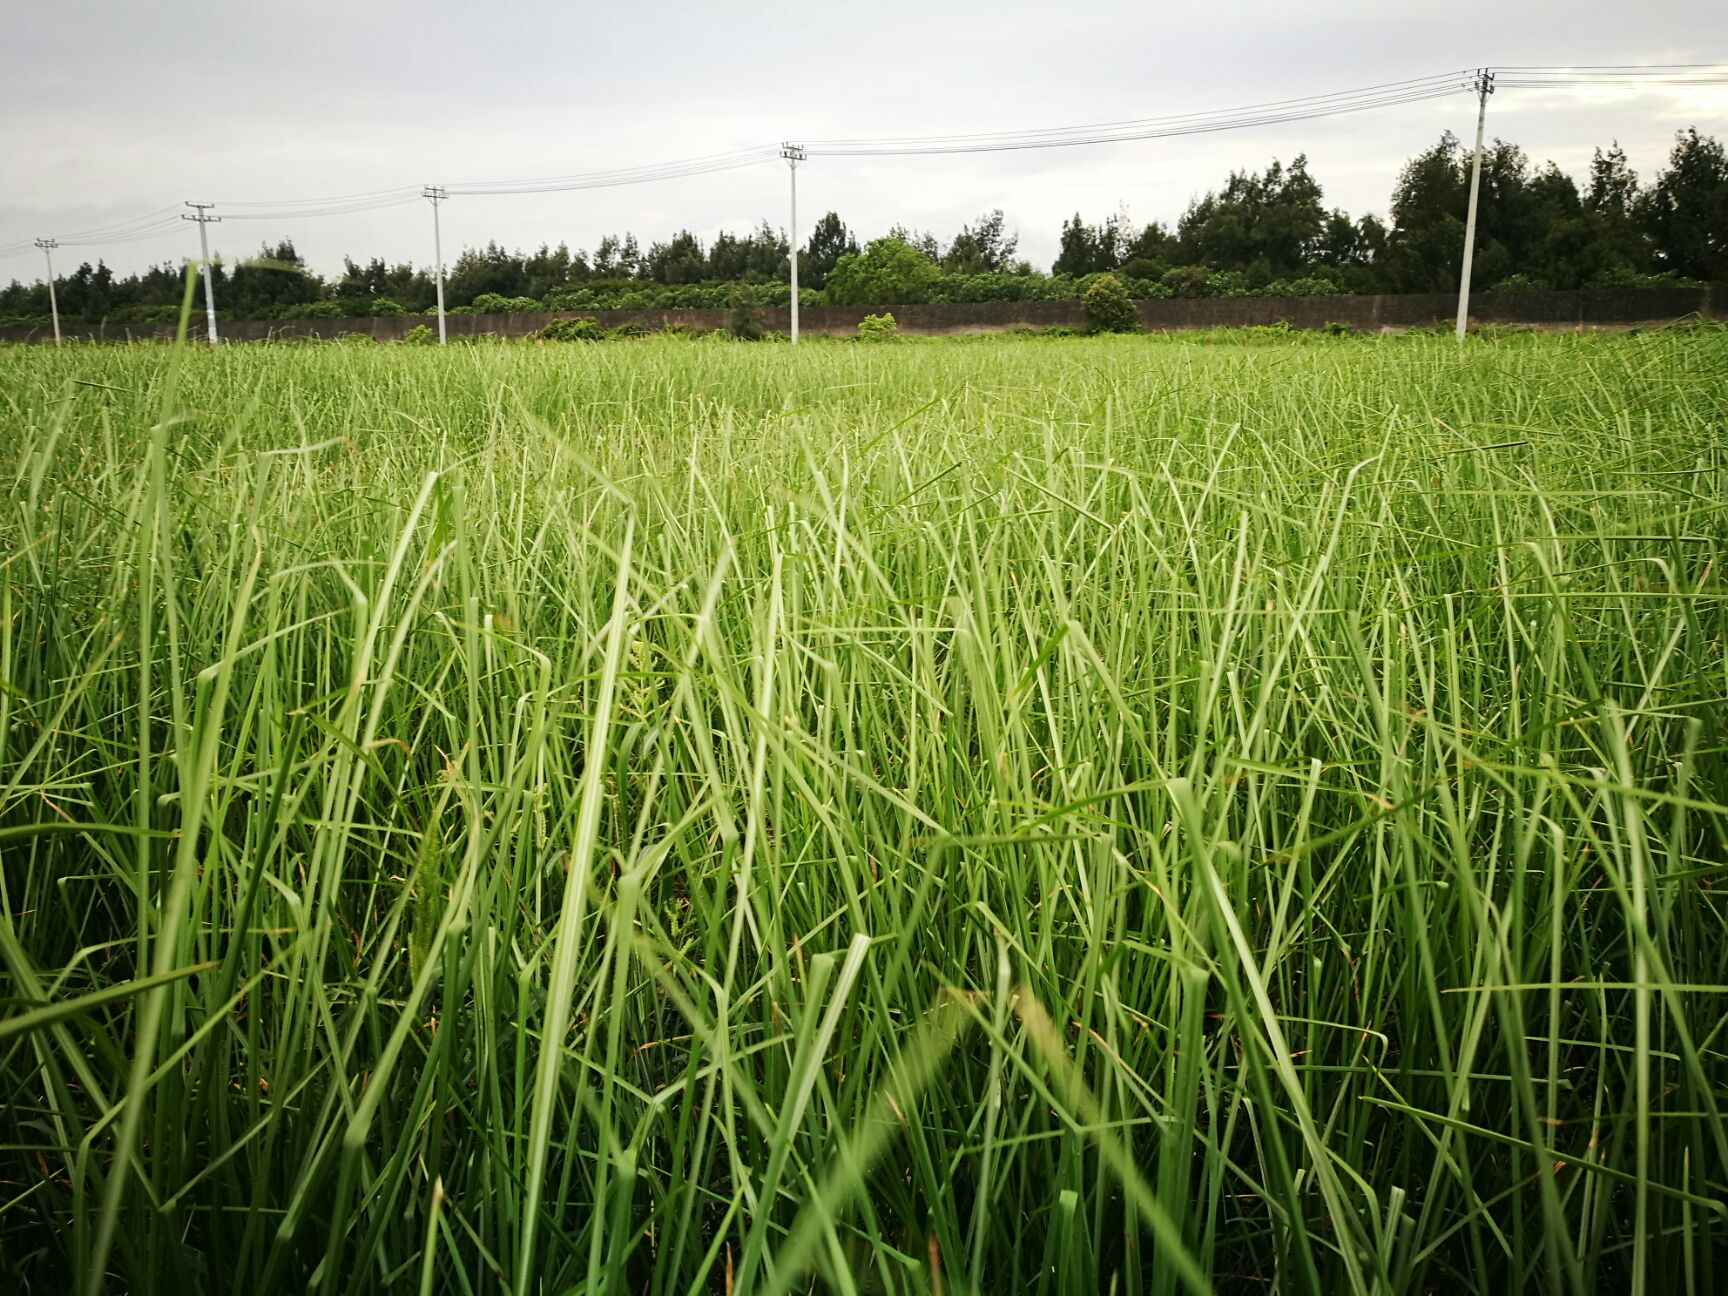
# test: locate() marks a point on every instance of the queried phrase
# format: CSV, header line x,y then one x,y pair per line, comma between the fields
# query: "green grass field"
x,y
1123,815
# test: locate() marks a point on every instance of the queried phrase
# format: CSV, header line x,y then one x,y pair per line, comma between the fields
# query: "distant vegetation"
x,y
1264,233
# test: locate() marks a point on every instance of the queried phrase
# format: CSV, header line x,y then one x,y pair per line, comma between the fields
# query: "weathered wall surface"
x,y
1586,309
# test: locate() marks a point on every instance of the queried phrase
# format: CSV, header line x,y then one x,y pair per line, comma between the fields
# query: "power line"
x,y
1059,136
1677,75
1107,134
152,225
1369,98
334,209
1276,112
156,230
326,200
623,176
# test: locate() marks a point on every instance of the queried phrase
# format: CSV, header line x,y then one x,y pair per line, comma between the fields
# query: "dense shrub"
x,y
1144,289
878,328
633,294
583,328
887,272
999,287
744,314
1308,286
1521,283
317,310
1625,277
139,313
1187,281
421,335
495,304
385,306
1108,307
1229,283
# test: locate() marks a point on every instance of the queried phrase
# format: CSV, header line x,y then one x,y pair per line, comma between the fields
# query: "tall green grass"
x,y
1116,815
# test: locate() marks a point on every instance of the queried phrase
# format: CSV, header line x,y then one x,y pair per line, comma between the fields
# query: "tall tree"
x,y
1613,183
259,288
1685,212
1150,252
1086,249
680,261
923,240
829,241
1424,246
617,258
480,271
985,247
1267,225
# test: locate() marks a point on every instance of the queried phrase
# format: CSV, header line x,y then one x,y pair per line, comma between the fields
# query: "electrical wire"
x,y
148,226
1370,98
1393,91
409,191
311,213
1118,133
1656,75
622,176
133,236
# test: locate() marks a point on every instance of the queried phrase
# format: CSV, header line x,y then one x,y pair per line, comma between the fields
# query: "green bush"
x,y
1187,281
497,304
583,328
631,330
1307,286
1522,283
1229,283
1626,277
138,313
887,272
1108,307
385,306
421,335
1144,268
744,314
317,310
878,328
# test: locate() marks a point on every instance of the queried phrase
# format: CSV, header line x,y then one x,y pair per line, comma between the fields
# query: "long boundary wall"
x,y
1578,310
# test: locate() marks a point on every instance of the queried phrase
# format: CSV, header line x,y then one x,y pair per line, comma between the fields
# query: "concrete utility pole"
x,y
436,194
204,218
48,246
794,154
1484,88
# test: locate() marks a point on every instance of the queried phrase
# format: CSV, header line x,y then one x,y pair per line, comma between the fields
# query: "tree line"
x,y
1262,233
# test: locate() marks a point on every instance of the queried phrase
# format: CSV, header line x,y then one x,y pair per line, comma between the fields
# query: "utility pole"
x,y
1484,86
436,194
202,215
794,154
48,245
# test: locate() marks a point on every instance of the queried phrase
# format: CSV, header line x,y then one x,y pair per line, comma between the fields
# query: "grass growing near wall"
x,y
1119,816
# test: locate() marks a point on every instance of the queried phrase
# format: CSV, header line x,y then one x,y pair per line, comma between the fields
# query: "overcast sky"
x,y
109,110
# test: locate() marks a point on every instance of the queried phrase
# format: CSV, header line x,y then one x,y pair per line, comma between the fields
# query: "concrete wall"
x,y
1367,313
